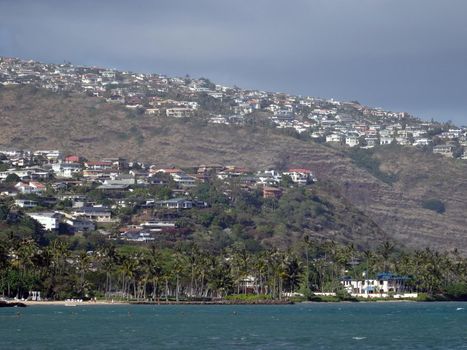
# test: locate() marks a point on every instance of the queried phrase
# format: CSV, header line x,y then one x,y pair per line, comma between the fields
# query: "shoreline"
x,y
218,302
71,303
162,302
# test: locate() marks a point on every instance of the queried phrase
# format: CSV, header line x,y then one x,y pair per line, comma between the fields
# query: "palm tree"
x,y
240,262
155,271
307,245
193,260
179,266
293,271
385,250
127,270
84,261
219,277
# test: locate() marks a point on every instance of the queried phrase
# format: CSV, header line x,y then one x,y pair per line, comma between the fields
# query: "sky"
x,y
401,55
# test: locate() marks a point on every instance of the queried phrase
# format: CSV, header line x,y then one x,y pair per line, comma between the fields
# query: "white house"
x,y
269,177
99,214
31,187
445,150
334,138
178,112
21,173
383,283
422,141
184,180
371,141
300,176
351,141
386,140
25,203
66,170
176,203
48,220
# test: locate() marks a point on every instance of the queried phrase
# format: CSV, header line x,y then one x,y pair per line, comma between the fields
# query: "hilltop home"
x,y
422,141
98,165
66,170
175,203
269,177
386,140
31,187
272,192
22,174
351,141
25,203
99,214
184,180
300,176
445,150
334,138
51,155
178,112
48,220
80,225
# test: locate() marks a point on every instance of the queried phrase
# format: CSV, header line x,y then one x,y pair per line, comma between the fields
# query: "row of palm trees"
x,y
153,273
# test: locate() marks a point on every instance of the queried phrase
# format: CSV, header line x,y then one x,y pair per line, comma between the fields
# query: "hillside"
x,y
39,119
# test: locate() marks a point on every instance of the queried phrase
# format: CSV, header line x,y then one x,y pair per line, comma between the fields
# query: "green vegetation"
x,y
12,179
248,297
457,291
435,205
365,159
212,262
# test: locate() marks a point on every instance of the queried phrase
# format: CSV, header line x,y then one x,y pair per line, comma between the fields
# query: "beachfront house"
x,y
383,283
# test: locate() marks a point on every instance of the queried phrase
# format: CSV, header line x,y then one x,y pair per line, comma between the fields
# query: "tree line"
x,y
187,272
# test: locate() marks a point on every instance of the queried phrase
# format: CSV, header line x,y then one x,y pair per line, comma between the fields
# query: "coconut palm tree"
x,y
385,251
293,272
178,268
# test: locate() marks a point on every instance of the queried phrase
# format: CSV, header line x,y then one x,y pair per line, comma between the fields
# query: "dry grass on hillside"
x,y
88,126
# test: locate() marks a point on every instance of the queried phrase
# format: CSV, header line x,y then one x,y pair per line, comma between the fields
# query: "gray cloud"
x,y
402,55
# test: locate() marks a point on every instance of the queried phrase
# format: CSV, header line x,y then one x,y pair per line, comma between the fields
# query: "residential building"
x,y
49,220
94,213
351,141
272,192
178,112
300,176
26,203
175,203
80,225
31,187
445,150
335,138
383,283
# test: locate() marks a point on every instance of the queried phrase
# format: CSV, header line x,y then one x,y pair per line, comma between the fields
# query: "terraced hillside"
x,y
39,119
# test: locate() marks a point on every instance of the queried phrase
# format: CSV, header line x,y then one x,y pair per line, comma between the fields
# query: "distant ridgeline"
x,y
330,121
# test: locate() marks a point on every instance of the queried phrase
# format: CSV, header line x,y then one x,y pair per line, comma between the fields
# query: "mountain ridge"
x,y
93,128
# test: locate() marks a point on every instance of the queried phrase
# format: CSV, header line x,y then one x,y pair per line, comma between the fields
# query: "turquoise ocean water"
x,y
301,326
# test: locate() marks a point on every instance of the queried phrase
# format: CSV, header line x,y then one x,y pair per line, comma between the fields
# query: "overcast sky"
x,y
402,55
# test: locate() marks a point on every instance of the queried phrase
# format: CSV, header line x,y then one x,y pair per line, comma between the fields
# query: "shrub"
x,y
435,205
457,291
364,159
247,297
12,178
